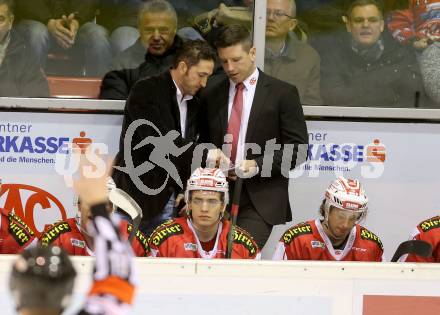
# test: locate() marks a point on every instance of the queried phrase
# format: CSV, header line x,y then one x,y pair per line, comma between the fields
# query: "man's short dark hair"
x,y
232,35
361,3
192,51
10,4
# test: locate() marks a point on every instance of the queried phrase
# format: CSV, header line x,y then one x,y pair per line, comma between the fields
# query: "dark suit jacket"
x,y
154,99
276,114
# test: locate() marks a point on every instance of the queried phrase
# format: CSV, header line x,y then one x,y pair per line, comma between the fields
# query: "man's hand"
x,y
421,44
61,34
72,24
216,158
91,186
246,169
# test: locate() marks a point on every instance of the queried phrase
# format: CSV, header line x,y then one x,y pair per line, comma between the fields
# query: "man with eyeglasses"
x,y
337,236
287,57
150,55
366,67
202,232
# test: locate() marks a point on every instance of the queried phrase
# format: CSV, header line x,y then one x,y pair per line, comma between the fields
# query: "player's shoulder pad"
x,y
368,235
164,231
54,231
430,224
19,230
243,237
295,231
13,217
142,239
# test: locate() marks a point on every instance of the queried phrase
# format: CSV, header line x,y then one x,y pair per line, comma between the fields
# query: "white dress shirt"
x,y
183,108
248,97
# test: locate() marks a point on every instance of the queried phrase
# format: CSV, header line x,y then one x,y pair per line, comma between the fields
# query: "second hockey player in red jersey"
x,y
72,236
203,232
428,231
337,236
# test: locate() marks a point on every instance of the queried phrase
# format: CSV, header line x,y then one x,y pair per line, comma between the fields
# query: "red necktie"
x,y
235,119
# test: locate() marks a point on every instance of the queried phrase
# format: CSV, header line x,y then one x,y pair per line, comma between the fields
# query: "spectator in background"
x,y
20,72
68,26
119,17
418,25
158,22
287,58
366,67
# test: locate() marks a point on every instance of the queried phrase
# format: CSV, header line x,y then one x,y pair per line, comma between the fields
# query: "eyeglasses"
x,y
161,30
277,14
371,19
211,202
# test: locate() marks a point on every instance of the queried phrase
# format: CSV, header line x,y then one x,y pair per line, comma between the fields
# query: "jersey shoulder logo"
x,y
14,217
54,231
295,231
19,230
165,231
430,224
368,235
140,237
243,237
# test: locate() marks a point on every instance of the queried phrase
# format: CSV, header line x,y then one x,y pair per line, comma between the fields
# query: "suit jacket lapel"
x,y
191,119
261,93
174,107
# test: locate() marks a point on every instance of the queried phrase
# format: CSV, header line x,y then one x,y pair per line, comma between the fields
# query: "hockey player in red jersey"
x,y
15,235
42,278
202,233
428,231
72,236
338,235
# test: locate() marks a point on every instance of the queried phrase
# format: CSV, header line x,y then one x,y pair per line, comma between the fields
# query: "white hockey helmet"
x,y
347,194
211,179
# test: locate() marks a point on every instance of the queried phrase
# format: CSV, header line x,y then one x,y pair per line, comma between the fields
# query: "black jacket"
x,y
117,84
154,99
391,81
44,10
20,72
116,13
276,114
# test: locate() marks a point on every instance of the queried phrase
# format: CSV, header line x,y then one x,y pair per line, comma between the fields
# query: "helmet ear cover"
x,y
43,278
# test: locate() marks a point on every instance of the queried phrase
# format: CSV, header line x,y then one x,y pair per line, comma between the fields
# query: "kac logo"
x,y
38,196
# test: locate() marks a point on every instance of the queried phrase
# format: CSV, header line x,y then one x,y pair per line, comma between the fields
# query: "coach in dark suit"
x,y
254,108
167,102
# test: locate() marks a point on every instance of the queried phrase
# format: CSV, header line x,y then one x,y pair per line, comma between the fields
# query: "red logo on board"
x,y
38,197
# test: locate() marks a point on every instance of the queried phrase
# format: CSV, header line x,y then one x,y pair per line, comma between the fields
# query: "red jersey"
x,y
67,234
15,235
177,238
308,241
421,20
427,231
